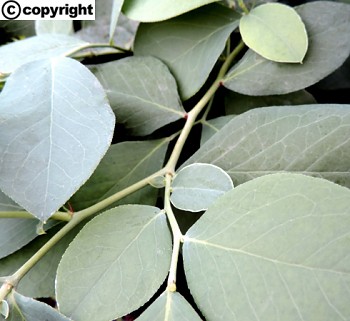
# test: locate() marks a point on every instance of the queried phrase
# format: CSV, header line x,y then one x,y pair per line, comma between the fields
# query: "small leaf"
x,y
277,245
307,139
142,92
123,165
327,51
53,133
116,8
115,264
157,182
170,306
18,53
276,32
197,186
153,10
54,26
4,309
189,45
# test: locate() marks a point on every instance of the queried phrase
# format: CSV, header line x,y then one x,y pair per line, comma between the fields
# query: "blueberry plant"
x,y
176,142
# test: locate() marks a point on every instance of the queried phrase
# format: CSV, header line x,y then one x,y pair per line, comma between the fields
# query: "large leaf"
x,y
328,49
153,10
197,186
170,306
275,247
276,32
123,165
309,139
212,126
54,26
142,92
18,53
190,45
115,264
54,130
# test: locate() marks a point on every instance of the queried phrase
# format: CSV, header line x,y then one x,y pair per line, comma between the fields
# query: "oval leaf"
x,y
142,92
170,306
115,264
276,32
308,139
197,186
154,10
18,53
189,45
53,133
276,245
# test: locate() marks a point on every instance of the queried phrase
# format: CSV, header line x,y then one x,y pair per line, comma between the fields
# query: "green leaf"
x,y
197,186
54,26
238,104
18,53
4,309
116,8
190,45
123,165
115,264
170,306
276,32
212,126
53,133
153,10
308,139
142,92
277,245
328,49
28,309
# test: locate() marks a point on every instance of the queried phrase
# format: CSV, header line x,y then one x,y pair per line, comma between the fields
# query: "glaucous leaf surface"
x,y
189,45
212,126
197,186
307,139
170,306
123,165
18,53
238,104
27,309
328,49
54,26
54,130
142,92
115,264
275,247
153,10
115,12
276,32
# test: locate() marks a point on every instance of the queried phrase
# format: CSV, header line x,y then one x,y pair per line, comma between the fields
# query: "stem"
x,y
58,216
243,6
97,45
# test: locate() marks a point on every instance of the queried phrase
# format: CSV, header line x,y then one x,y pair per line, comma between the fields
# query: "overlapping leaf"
x,y
18,53
142,92
54,130
115,12
115,264
328,49
54,26
275,246
212,126
190,44
124,164
309,139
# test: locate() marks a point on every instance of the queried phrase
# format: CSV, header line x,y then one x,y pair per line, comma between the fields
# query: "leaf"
x,y
115,264
54,26
116,8
4,309
277,245
308,139
18,53
28,309
276,32
212,126
53,133
170,306
197,186
123,165
142,92
238,104
189,45
152,10
328,49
